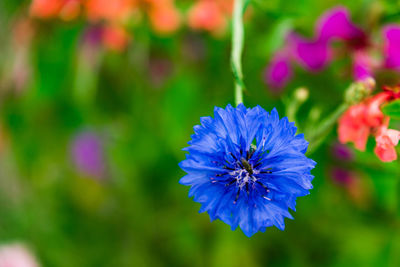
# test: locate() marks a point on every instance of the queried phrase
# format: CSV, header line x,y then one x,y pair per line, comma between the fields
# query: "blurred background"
x,y
97,99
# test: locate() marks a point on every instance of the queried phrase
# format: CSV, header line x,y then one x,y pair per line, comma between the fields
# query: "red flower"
x,y
352,127
366,118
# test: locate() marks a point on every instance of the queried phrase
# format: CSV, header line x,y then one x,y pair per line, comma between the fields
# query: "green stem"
x,y
321,131
237,49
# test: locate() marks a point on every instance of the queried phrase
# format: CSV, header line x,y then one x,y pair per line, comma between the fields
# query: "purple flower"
x,y
342,152
279,72
87,154
93,35
391,48
341,176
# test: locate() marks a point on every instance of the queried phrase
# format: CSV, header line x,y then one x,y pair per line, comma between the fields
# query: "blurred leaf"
x,y
278,34
392,109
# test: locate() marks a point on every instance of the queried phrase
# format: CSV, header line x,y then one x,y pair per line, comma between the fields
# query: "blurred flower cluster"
x,y
117,17
367,55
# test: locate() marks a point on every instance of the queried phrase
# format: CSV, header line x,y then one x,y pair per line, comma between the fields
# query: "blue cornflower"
x,y
247,167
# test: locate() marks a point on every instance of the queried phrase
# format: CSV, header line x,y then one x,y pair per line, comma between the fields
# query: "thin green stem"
x,y
322,130
237,49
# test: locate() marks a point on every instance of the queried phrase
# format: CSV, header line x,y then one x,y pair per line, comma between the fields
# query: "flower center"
x,y
243,176
246,166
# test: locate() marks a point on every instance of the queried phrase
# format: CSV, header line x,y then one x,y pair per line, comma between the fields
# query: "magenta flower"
x,y
87,154
279,72
311,55
362,65
391,48
336,24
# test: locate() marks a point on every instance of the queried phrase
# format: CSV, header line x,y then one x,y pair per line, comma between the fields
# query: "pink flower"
x,y
374,116
386,140
16,256
352,127
362,65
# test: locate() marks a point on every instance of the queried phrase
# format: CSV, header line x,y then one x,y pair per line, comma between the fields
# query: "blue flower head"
x,y
247,167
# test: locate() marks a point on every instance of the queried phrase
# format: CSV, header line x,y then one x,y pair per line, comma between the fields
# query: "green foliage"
x,y
392,109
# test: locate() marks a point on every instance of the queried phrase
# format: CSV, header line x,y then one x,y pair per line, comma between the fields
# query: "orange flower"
x,y
70,10
207,15
65,9
164,17
115,38
386,140
115,10
45,8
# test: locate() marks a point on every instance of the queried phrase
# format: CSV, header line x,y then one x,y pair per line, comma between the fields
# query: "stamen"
x,y
233,156
263,185
267,198
247,166
265,172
